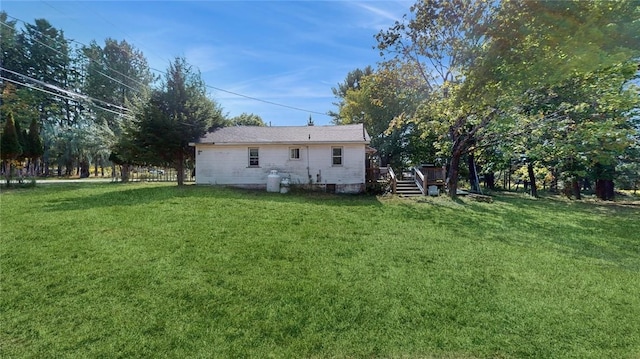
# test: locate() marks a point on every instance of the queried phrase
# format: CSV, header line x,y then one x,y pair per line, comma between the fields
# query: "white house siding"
x,y
229,165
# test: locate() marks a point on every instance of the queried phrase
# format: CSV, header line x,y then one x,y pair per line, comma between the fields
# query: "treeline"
x,y
545,90
97,105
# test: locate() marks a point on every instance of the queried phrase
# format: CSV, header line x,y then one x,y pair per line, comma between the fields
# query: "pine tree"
x,y
35,148
10,147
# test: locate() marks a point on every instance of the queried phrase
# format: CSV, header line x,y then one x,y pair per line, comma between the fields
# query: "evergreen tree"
x,y
35,149
247,119
10,148
176,115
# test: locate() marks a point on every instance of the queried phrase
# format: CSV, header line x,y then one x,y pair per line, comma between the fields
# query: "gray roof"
x,y
287,134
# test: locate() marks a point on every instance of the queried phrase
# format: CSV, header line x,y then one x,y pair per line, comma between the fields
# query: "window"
x,y
336,156
294,153
254,158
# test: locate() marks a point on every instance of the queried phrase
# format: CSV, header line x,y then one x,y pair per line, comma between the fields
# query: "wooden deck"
x,y
418,180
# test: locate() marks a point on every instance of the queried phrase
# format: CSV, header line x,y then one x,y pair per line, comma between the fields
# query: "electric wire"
x,y
127,36
75,41
164,73
61,96
266,101
65,91
89,58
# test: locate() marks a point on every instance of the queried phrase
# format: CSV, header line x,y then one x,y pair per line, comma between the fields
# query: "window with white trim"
x,y
294,153
336,156
254,157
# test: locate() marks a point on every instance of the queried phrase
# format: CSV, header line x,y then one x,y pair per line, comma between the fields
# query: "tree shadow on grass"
x,y
124,195
598,231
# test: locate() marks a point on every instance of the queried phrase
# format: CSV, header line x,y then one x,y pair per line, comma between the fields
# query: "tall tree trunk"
x,y
575,185
453,175
605,189
124,173
7,171
553,186
490,180
180,169
475,186
532,180
84,169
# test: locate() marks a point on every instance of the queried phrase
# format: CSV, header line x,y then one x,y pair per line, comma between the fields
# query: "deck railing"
x,y
393,180
419,178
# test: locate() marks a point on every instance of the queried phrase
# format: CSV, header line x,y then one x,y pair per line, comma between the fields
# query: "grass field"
x,y
153,270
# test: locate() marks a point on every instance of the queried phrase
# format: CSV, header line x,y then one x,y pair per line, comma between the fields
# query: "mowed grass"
x,y
153,270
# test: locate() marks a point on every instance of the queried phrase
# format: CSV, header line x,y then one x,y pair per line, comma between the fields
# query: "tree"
x,y
578,128
10,147
118,76
565,62
10,50
176,115
45,58
351,82
35,149
442,40
538,44
45,61
381,101
478,58
247,119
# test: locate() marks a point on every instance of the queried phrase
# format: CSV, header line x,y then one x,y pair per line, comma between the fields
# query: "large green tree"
x,y
177,114
35,148
382,101
582,126
567,66
479,58
119,78
247,119
10,147
443,40
10,49
352,82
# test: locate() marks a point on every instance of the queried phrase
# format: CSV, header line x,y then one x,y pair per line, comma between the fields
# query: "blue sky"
x,y
288,52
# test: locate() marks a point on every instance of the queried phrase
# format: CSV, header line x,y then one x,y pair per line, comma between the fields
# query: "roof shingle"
x,y
355,133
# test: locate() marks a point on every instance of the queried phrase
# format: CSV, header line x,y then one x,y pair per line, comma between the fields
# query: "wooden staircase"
x,y
407,188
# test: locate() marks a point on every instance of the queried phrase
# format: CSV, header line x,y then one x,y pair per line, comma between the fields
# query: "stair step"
x,y
407,188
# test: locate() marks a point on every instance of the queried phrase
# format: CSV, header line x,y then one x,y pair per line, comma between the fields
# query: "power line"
x,y
266,101
61,96
103,19
89,58
75,95
208,86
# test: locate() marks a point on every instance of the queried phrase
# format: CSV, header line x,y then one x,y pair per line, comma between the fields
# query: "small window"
x,y
336,156
294,153
254,157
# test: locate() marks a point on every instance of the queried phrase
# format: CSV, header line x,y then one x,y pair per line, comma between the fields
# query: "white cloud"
x,y
381,15
386,14
203,57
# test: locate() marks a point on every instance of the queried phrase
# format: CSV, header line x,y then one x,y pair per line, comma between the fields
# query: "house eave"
x,y
289,143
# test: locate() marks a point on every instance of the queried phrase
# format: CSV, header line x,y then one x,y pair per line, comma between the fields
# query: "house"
x,y
331,158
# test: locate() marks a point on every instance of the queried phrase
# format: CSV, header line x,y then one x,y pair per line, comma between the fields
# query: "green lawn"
x,y
153,270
